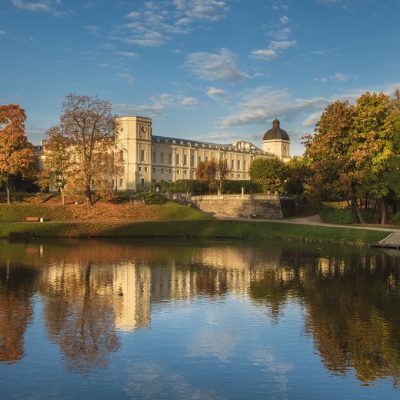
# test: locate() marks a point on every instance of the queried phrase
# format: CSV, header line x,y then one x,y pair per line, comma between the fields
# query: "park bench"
x,y
33,219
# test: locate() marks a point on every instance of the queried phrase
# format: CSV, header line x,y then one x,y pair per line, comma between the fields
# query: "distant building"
x,y
150,159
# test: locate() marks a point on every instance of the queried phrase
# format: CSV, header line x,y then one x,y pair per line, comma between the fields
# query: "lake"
x,y
198,320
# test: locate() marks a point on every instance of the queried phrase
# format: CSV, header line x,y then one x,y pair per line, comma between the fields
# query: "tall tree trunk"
x,y
357,210
89,199
62,196
8,190
382,206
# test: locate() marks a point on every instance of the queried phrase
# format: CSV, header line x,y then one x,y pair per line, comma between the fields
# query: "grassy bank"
x,y
195,229
100,212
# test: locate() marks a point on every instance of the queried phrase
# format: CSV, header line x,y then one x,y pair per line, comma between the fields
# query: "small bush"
x,y
337,216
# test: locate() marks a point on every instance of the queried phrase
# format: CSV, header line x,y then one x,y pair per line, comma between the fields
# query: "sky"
x,y
212,70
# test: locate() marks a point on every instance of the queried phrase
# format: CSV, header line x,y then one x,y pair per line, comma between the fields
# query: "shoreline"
x,y
211,229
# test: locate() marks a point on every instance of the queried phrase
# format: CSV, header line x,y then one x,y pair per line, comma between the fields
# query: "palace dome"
x,y
276,133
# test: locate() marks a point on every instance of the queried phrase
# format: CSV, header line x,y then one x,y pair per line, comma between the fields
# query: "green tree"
x,y
297,176
376,149
270,173
58,166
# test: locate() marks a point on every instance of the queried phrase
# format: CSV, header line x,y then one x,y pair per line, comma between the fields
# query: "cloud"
x,y
280,41
48,6
155,107
156,22
338,76
2,32
263,103
127,77
282,44
264,54
128,54
92,29
148,39
215,66
284,19
189,102
216,93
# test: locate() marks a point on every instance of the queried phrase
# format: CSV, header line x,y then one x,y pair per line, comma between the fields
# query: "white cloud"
x,y
338,76
282,44
216,93
263,103
215,66
312,119
156,22
155,107
148,39
48,6
284,19
127,77
128,54
92,29
189,102
264,54
280,41
2,32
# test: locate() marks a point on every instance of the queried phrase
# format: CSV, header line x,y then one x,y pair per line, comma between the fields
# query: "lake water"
x,y
198,320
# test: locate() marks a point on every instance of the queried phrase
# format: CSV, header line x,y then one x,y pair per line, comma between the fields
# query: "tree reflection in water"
x,y
351,297
16,289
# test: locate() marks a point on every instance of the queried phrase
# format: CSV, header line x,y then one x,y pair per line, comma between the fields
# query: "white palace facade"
x,y
151,159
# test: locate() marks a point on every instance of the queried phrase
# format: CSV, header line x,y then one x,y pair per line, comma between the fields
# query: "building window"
x,y
121,182
244,165
232,164
141,155
177,159
238,164
162,170
177,171
140,169
184,172
154,170
199,160
145,169
162,158
191,160
184,159
154,156
169,158
170,170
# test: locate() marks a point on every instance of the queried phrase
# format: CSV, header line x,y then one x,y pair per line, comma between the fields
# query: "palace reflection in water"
x,y
93,292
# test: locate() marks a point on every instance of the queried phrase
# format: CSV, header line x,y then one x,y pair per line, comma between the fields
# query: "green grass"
x,y
197,229
18,212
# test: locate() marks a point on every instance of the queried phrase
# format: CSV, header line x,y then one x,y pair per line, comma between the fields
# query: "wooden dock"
x,y
390,242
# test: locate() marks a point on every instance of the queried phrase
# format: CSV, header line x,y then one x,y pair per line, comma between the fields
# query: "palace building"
x,y
150,159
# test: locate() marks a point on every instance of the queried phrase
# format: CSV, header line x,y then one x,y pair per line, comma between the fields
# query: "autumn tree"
x,y
333,166
88,126
269,172
17,155
213,172
58,166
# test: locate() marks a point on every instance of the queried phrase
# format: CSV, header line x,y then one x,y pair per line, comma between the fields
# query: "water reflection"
x,y
92,291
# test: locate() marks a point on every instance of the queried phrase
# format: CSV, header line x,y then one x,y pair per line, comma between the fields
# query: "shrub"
x,y
337,216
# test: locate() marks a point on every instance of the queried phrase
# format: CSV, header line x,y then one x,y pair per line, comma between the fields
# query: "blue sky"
x,y
211,70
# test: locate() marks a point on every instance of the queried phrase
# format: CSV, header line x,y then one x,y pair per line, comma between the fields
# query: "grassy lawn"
x,y
196,229
100,212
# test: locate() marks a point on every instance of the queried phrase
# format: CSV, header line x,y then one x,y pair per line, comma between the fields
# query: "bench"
x,y
32,219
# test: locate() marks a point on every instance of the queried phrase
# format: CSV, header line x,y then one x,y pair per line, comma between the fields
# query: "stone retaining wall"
x,y
247,206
